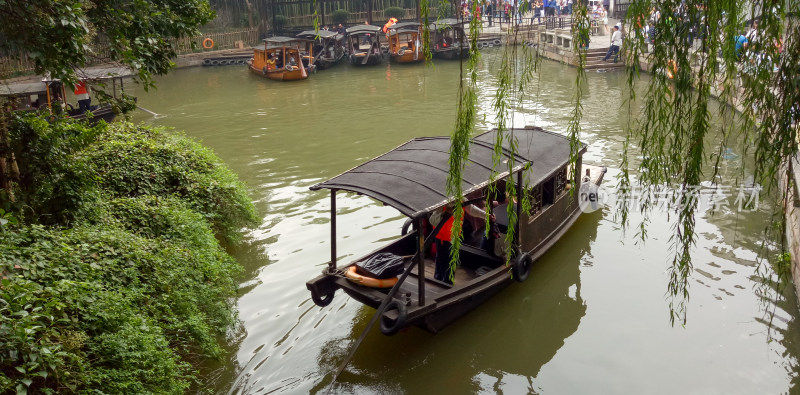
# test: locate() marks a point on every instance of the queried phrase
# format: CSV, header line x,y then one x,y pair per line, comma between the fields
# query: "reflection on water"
x,y
592,318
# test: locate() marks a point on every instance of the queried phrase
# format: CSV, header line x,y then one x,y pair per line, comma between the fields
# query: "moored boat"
x,y
51,95
363,45
322,50
279,60
412,179
448,39
404,42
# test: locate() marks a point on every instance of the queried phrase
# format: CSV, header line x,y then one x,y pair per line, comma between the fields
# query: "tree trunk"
x,y
9,171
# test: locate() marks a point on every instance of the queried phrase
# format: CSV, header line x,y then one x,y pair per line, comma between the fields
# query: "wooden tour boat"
x,y
363,45
448,39
405,45
279,60
51,94
412,179
322,51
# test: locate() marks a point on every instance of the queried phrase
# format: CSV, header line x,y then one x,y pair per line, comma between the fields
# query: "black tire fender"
x,y
322,300
521,267
406,226
389,326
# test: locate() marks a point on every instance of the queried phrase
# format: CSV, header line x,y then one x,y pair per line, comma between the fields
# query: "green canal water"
x,y
592,318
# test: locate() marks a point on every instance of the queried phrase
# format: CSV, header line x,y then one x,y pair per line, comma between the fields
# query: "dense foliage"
x,y
57,34
113,279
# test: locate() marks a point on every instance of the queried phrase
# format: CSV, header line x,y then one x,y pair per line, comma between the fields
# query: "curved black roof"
x,y
413,177
405,26
280,40
310,34
363,29
445,23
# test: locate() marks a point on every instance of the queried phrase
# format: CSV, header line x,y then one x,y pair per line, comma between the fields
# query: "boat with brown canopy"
x,y
412,178
52,94
404,42
280,59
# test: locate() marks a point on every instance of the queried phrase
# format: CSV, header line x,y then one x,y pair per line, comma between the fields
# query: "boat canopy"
x,y
446,23
279,40
311,35
99,73
361,29
413,177
40,87
22,89
549,151
405,27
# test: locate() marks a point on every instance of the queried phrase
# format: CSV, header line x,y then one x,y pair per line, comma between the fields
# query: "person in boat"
x,y
82,94
271,62
292,64
443,245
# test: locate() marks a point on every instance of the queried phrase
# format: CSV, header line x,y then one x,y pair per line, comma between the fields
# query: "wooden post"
x,y
421,261
332,264
369,11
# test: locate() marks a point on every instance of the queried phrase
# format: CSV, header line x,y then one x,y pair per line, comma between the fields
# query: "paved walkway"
x,y
595,41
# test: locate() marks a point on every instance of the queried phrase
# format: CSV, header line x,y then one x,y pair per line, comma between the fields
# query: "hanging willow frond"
x,y
672,135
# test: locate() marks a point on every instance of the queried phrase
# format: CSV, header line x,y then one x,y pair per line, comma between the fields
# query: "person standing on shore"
x,y
616,43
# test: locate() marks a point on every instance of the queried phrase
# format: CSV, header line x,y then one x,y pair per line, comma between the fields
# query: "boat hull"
x,y
296,74
451,54
408,57
372,59
104,113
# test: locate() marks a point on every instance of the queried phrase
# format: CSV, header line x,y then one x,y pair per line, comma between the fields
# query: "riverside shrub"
x,y
116,282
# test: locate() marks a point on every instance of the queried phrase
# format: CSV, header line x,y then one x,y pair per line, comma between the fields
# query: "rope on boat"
x,y
382,308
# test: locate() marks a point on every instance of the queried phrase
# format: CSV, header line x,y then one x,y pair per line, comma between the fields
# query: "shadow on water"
x,y
515,333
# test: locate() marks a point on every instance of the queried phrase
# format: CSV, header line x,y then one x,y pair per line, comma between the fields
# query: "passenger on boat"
x,y
82,93
443,245
271,62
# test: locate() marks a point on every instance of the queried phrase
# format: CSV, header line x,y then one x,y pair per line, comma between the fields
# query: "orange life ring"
x,y
369,281
208,43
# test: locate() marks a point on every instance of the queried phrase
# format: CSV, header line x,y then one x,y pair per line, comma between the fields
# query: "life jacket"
x,y
80,88
446,231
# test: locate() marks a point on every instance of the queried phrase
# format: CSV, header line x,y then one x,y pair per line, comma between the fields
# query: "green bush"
x,y
67,169
340,16
394,12
279,22
139,161
113,277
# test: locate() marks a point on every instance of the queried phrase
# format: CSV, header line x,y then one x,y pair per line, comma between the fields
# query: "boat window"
x,y
561,181
549,191
536,199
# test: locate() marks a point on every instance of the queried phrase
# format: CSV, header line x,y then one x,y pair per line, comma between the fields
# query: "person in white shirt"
x,y
616,43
